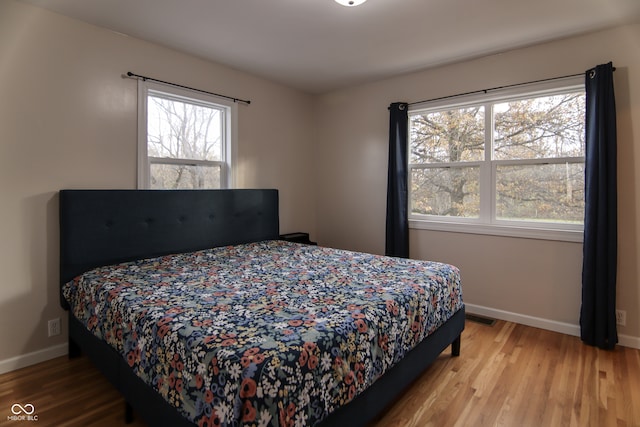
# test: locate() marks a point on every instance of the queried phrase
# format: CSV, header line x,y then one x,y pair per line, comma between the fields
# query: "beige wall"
x,y
68,120
527,280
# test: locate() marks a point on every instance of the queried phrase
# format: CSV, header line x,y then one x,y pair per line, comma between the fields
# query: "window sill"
x,y
499,230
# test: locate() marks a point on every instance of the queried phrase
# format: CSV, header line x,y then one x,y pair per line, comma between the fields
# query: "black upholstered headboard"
x,y
102,227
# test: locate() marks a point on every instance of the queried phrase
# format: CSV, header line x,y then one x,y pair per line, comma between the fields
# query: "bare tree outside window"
x,y
533,154
185,143
452,141
541,128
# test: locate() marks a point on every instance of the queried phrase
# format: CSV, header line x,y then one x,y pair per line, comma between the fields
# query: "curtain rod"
x,y
145,78
497,88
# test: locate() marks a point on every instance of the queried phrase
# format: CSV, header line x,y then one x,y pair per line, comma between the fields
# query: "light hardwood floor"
x,y
506,375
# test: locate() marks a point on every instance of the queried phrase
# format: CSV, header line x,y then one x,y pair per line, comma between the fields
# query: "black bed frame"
x,y
101,227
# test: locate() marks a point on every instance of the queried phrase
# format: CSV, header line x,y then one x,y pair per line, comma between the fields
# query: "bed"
x,y
189,303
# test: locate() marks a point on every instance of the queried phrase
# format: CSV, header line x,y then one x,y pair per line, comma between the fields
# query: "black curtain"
x,y
598,311
397,237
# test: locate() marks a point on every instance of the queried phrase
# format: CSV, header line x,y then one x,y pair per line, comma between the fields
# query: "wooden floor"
x,y
507,375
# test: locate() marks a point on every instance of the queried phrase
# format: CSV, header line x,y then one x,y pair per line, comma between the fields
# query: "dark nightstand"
x,y
297,238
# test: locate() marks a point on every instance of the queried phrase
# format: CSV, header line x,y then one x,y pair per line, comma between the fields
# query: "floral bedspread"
x,y
268,333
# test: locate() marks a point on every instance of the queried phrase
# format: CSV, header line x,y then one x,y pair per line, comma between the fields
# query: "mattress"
x,y
266,333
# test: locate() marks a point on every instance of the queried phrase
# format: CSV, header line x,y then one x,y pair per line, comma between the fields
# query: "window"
x,y
507,163
185,138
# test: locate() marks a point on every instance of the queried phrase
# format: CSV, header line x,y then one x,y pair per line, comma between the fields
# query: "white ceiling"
x,y
319,45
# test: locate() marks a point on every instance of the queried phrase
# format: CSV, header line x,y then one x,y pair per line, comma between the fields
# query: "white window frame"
x,y
487,223
229,108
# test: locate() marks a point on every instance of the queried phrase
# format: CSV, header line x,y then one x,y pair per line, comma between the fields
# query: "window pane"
x,y
447,136
446,191
545,192
182,130
184,176
543,127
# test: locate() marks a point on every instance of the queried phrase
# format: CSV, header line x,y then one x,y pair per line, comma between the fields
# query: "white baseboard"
x,y
29,359
537,322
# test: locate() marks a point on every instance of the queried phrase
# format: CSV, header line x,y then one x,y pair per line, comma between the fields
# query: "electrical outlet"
x,y
621,317
53,327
